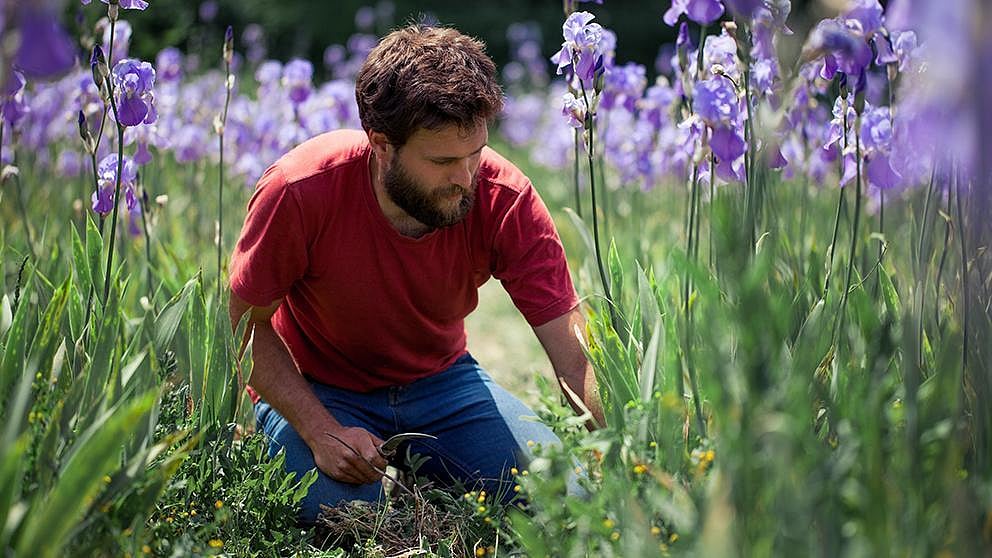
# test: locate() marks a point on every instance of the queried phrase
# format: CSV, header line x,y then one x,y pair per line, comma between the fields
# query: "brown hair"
x,y
422,76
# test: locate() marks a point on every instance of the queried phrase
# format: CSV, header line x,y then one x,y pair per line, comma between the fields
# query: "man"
x,y
359,259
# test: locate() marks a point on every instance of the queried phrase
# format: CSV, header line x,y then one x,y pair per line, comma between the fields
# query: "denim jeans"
x,y
482,432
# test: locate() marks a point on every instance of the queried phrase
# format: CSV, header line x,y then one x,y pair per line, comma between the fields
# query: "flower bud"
x,y
84,133
113,9
98,65
228,45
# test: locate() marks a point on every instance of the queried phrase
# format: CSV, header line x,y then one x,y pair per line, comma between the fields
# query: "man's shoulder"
x,y
501,173
320,154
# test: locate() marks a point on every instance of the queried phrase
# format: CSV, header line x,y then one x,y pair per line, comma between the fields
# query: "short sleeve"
x,y
529,260
271,253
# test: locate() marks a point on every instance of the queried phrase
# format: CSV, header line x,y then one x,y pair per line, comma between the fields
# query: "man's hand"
x,y
276,378
349,455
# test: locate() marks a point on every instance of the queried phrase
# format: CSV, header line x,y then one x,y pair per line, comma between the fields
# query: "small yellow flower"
x,y
106,479
192,513
218,504
514,471
487,520
673,537
215,543
656,531
710,455
146,549
481,498
578,470
653,445
615,536
169,519
640,469
524,473
480,551
530,443
481,509
516,488
608,523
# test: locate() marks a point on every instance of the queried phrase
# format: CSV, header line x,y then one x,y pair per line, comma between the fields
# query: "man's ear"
x,y
380,144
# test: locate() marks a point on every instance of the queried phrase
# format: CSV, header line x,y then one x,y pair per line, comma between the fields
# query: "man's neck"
x,y
399,219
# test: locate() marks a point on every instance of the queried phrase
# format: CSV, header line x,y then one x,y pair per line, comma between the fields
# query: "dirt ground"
x,y
504,344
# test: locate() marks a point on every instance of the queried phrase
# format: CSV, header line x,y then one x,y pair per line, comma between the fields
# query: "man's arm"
x,y
276,378
570,363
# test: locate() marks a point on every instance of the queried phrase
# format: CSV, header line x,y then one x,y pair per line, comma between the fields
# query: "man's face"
x,y
433,176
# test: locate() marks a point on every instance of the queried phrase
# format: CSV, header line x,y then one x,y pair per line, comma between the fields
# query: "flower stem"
x,y
578,195
117,194
943,260
854,229
148,241
595,219
840,203
965,310
220,183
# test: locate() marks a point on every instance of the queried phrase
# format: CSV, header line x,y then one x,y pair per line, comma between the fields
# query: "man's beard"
x,y
426,207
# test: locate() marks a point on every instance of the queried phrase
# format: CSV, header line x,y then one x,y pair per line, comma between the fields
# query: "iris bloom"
x,y
133,82
703,12
584,47
126,4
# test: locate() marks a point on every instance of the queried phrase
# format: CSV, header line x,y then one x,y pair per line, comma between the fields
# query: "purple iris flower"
x,y
574,110
703,12
867,13
169,65
126,4
103,198
133,83
12,105
843,49
624,86
122,38
583,48
297,78
876,144
715,101
727,144
49,50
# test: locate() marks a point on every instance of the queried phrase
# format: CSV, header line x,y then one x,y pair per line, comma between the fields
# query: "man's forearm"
x,y
581,379
276,378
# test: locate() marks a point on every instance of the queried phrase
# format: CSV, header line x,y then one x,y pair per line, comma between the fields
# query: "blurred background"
x,y
306,29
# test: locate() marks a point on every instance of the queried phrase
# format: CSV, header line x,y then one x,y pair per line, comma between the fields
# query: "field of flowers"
x,y
782,243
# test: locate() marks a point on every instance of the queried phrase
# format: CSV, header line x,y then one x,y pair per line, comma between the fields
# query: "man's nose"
x,y
461,173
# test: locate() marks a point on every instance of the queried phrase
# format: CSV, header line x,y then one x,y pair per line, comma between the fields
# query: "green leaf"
x,y
616,273
80,261
6,315
49,335
584,233
198,337
13,365
93,455
167,322
890,294
94,249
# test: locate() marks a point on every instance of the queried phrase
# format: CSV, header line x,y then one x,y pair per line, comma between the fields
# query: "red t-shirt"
x,y
366,307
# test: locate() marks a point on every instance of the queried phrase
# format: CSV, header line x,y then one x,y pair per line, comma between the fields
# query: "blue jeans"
x,y
482,432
